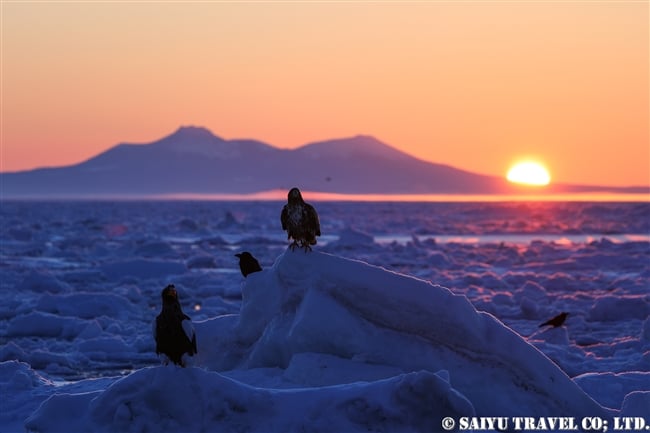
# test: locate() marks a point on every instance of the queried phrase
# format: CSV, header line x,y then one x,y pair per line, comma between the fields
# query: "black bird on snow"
x,y
173,330
247,263
300,220
556,321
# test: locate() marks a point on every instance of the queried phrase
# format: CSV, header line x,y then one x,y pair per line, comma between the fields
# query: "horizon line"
x,y
281,195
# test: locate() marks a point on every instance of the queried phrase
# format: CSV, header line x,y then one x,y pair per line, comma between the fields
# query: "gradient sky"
x,y
475,85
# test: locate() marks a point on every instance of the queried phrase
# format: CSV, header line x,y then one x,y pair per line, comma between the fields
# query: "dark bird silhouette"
x,y
300,220
247,263
173,330
556,321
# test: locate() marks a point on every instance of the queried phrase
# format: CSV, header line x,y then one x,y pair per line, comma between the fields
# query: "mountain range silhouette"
x,y
193,160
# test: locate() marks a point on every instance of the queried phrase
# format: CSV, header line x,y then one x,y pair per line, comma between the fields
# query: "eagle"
x,y
173,330
300,220
556,321
247,263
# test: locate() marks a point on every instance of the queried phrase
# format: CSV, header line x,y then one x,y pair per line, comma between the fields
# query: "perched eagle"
x,y
300,220
173,330
556,321
247,263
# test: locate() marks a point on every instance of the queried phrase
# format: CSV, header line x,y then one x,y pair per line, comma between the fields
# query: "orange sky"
x,y
472,84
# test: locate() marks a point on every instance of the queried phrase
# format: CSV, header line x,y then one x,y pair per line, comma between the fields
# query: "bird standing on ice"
x,y
300,220
247,263
556,321
173,330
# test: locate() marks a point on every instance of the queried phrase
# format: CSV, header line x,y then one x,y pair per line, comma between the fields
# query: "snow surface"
x,y
324,341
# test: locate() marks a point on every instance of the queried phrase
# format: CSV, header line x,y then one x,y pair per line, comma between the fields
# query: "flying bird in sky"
x,y
300,221
173,330
247,263
556,321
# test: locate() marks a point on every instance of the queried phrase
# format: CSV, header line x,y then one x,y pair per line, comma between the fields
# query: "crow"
x,y
173,330
300,220
556,321
247,263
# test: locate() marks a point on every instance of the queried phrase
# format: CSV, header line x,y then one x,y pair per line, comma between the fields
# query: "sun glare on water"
x,y
529,173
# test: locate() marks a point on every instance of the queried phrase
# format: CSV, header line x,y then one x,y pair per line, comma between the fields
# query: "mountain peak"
x,y
193,140
347,147
194,132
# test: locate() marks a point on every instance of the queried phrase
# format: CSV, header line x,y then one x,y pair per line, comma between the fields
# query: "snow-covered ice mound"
x,y
192,399
324,343
322,303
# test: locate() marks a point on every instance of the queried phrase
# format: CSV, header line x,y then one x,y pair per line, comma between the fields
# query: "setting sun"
x,y
529,173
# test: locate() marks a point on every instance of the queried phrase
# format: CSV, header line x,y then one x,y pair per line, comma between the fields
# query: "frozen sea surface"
x,y
81,284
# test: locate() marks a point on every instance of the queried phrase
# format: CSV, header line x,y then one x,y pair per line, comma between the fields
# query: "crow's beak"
x,y
238,255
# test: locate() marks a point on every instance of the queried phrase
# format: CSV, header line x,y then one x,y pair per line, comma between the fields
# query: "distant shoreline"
x,y
280,195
